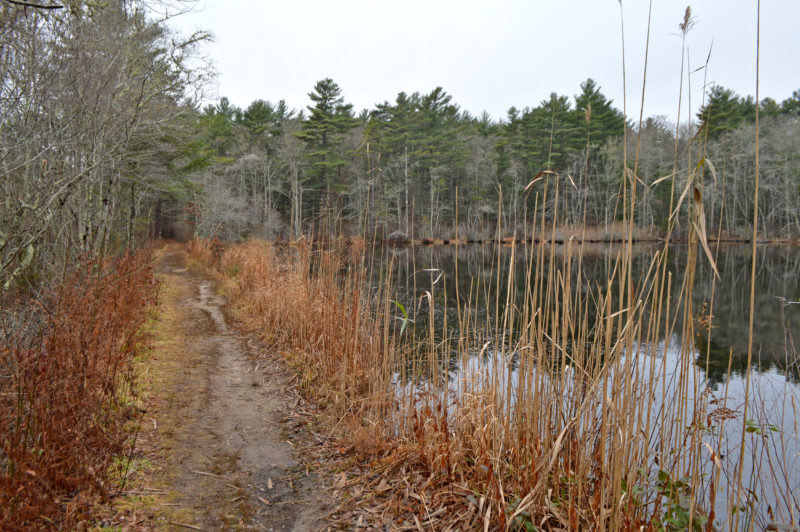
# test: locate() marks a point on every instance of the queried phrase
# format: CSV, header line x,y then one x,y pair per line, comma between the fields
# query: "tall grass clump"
x,y
65,391
315,305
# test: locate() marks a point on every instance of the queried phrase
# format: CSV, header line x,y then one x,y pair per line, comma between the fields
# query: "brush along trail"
x,y
216,445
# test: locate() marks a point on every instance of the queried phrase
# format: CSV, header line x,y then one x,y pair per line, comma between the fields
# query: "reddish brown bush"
x,y
65,389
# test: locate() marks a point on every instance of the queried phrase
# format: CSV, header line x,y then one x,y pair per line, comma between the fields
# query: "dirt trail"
x,y
219,433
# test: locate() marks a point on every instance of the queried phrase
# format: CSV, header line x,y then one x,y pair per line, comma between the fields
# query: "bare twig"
x,y
184,525
35,5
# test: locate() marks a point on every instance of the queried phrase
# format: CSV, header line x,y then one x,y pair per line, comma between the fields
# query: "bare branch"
x,y
33,5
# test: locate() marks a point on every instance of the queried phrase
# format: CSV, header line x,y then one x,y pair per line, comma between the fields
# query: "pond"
x,y
451,293
484,268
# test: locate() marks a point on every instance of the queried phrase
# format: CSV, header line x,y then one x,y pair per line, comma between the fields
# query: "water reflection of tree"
x,y
483,279
777,276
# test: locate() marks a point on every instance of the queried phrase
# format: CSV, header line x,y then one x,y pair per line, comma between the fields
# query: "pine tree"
x,y
545,137
484,125
329,119
604,120
439,151
259,119
724,111
264,122
504,150
791,105
394,130
769,107
218,121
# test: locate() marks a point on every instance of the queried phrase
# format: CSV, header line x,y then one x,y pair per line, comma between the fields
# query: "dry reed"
x,y
574,418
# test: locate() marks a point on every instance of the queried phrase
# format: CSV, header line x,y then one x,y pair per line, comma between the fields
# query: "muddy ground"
x,y
217,443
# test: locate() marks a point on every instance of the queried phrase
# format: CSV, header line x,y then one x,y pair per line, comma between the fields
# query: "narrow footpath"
x,y
216,445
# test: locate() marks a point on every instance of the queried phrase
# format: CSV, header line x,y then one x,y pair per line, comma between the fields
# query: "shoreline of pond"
x,y
511,241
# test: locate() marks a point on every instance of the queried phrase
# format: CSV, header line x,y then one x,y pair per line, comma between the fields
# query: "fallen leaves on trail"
x,y
390,493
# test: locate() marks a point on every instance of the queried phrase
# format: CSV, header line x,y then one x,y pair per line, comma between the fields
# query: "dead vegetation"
x,y
557,428
66,389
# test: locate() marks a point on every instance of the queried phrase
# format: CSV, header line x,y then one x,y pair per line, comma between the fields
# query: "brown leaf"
x,y
538,177
700,227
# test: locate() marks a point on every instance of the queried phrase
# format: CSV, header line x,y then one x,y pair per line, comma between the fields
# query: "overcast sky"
x,y
492,54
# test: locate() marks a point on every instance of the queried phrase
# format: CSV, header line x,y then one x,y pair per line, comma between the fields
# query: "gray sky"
x,y
492,54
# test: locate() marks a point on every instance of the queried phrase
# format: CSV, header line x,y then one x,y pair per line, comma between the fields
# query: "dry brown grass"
x,y
559,427
66,393
516,454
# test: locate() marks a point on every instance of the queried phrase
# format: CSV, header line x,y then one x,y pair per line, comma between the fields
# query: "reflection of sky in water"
x,y
773,419
775,394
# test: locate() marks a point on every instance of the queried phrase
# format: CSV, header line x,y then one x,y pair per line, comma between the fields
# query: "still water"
x,y
418,270
477,277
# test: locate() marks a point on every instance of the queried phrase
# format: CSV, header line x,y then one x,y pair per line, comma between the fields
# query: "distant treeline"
x,y
270,170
